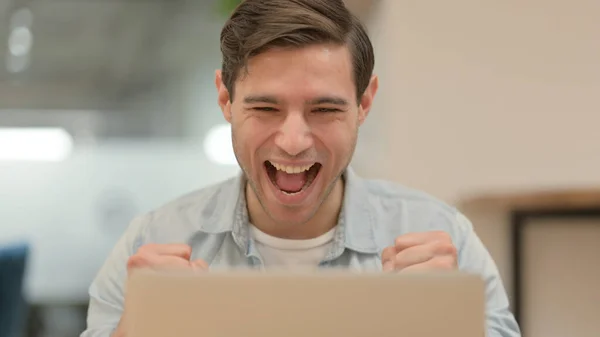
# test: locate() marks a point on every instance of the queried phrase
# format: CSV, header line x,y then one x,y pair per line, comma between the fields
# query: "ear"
x,y
366,102
223,96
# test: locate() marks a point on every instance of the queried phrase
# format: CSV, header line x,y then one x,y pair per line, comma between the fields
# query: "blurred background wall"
x,y
479,96
480,99
476,99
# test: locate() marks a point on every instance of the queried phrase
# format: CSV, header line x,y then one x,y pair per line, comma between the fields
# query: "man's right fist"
x,y
159,257
165,257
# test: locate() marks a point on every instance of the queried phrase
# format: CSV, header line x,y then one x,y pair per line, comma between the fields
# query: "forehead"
x,y
308,71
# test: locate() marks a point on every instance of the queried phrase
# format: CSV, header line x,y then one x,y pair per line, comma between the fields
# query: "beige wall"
x,y
478,96
481,97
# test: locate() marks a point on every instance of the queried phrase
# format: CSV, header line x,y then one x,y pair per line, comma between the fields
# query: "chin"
x,y
290,217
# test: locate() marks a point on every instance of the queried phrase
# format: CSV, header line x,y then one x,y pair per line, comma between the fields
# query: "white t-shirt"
x,y
288,254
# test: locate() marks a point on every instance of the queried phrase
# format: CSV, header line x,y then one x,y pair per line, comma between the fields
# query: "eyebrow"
x,y
260,99
329,100
319,100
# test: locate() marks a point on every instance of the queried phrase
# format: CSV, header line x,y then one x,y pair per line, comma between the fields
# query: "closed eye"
x,y
264,108
326,110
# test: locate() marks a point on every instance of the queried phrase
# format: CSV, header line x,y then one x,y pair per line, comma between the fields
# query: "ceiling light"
x,y
35,144
20,41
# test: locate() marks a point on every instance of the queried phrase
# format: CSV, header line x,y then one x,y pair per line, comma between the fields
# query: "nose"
x,y
294,136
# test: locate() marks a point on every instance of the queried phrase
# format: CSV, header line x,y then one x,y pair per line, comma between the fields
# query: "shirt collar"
x,y
355,229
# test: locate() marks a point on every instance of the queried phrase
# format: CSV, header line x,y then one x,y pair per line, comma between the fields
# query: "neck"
x,y
323,220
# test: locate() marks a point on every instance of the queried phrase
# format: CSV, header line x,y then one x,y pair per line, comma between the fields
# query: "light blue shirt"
x,y
214,222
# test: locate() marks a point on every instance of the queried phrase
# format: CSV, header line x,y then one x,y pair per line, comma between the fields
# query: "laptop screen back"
x,y
301,305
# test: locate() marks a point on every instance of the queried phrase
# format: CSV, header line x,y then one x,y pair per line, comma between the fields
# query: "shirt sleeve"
x,y
474,257
107,291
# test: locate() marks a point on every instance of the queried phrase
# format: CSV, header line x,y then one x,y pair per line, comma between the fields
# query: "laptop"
x,y
317,304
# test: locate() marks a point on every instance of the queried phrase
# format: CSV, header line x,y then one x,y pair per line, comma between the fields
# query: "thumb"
x,y
199,264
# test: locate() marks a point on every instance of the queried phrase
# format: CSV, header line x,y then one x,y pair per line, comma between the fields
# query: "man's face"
x,y
295,122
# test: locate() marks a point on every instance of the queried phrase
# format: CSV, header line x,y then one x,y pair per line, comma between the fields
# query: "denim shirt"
x,y
214,222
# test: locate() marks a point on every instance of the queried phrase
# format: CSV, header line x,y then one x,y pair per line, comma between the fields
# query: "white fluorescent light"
x,y
35,144
218,146
20,41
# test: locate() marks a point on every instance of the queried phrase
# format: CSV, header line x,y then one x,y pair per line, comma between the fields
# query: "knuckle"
x,y
442,236
147,248
400,261
453,251
187,249
136,261
387,253
130,263
447,248
444,263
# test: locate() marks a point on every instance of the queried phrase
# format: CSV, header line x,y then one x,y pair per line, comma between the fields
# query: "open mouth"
x,y
292,179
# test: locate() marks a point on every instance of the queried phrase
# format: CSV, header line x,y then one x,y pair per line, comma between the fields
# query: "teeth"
x,y
291,169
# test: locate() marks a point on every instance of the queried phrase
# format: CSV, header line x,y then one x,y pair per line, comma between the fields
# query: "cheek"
x,y
249,137
338,140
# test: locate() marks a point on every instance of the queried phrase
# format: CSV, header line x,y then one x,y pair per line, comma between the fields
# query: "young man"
x,y
296,84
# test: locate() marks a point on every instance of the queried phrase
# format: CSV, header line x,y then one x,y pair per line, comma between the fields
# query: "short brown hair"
x,y
257,25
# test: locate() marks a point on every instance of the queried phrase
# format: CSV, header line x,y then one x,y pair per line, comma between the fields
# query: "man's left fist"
x,y
427,251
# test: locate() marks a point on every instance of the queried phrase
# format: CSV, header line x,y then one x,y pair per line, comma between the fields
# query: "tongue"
x,y
290,182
